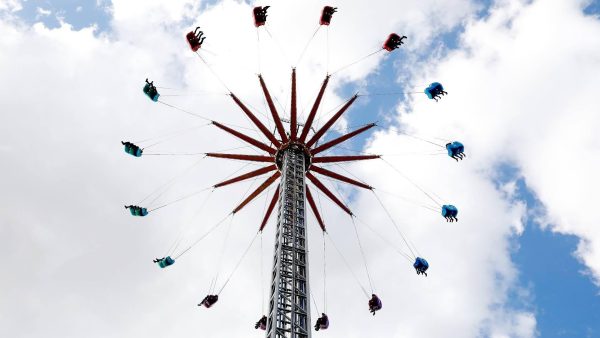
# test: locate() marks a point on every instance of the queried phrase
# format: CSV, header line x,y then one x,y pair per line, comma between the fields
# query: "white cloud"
x,y
520,325
42,12
79,264
11,5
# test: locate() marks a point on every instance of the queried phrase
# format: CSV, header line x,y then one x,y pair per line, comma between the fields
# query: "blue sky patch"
x,y
593,8
564,300
79,14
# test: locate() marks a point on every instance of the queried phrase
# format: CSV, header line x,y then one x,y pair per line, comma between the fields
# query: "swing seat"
x,y
326,15
455,148
428,93
436,86
138,211
133,150
388,45
460,148
210,301
421,264
193,41
375,303
261,324
151,92
433,90
259,18
167,261
449,211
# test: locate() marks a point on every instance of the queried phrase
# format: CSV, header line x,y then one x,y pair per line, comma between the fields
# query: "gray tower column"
x,y
289,304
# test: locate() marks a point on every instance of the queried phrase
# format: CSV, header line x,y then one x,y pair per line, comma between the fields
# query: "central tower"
x,y
289,307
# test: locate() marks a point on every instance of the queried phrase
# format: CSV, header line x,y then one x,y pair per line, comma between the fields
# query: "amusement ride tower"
x,y
293,157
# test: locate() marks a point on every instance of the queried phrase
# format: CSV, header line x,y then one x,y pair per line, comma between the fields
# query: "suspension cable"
x,y
170,181
175,132
386,240
260,111
285,114
321,116
418,138
213,72
327,47
348,266
307,44
428,207
315,301
262,279
238,264
395,225
165,187
175,154
185,228
406,241
210,286
357,61
181,199
193,94
324,275
220,260
390,93
436,153
204,235
258,50
160,141
411,182
184,111
362,253
333,149
279,46
349,172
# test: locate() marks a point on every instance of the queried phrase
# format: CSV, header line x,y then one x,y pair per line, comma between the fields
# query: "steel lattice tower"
x,y
289,307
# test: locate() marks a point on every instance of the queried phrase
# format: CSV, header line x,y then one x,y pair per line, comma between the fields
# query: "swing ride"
x,y
294,160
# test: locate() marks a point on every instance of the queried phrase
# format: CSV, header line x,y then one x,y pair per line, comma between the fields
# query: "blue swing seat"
x,y
163,263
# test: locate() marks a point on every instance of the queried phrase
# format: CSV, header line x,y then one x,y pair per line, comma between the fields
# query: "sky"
x,y
523,260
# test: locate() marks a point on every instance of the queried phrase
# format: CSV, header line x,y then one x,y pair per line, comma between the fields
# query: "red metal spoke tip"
x,y
258,190
331,121
270,209
294,112
256,121
253,158
246,138
313,111
246,176
274,114
326,191
314,209
331,159
339,177
341,139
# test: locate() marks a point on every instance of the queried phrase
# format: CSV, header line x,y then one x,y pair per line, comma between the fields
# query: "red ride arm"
x,y
258,190
329,194
270,209
314,209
